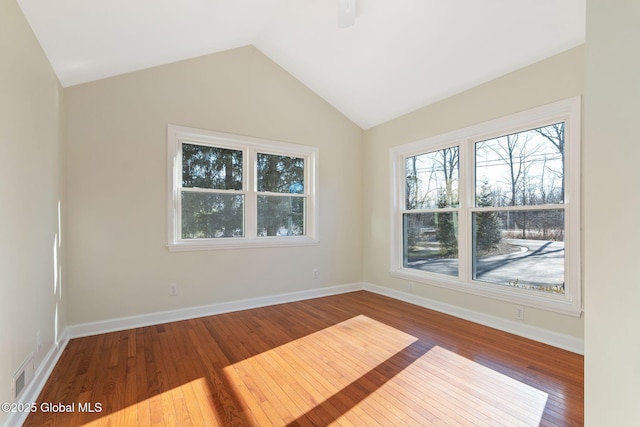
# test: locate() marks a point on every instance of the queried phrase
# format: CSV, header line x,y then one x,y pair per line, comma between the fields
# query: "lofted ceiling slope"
x,y
398,55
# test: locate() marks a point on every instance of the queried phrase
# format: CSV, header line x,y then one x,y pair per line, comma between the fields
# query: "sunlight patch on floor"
x,y
460,391
184,396
323,375
303,373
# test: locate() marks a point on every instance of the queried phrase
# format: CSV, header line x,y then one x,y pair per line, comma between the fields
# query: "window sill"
x,y
558,303
240,243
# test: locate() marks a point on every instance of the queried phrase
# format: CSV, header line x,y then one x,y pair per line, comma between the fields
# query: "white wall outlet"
x,y
411,287
173,289
38,342
519,312
314,273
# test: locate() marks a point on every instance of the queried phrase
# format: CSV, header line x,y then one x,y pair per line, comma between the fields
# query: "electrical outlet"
x,y
173,289
315,273
411,287
38,342
519,312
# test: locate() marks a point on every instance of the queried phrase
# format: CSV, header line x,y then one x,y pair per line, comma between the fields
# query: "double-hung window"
x,y
230,191
494,209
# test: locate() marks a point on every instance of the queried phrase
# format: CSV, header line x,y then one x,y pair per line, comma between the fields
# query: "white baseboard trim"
x,y
124,323
40,377
565,342
555,339
43,372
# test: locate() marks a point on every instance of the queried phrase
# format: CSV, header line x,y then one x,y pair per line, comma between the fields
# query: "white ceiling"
x,y
399,55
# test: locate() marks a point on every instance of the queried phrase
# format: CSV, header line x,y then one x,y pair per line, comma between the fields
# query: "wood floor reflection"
x,y
352,359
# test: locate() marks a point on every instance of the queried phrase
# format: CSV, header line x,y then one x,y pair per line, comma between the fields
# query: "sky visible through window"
x,y
523,247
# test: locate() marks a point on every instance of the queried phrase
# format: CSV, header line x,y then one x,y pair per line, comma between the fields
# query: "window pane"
x,y
521,169
280,174
522,249
211,167
280,216
431,242
208,215
432,180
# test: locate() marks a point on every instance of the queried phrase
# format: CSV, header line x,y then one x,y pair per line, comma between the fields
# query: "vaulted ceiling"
x,y
398,55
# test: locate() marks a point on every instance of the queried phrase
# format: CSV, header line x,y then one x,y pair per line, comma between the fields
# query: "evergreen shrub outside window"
x,y
430,223
494,209
212,201
235,191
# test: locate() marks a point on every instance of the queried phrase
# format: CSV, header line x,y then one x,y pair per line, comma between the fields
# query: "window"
x,y
431,211
230,191
494,209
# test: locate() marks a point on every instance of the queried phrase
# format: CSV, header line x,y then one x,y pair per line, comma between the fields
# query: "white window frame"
x,y
569,111
250,147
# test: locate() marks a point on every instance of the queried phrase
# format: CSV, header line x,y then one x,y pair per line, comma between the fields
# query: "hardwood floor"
x,y
356,359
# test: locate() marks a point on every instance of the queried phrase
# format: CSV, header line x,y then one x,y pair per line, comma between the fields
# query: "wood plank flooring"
x,y
356,359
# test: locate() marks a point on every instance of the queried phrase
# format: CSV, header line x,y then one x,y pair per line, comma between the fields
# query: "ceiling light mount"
x,y
346,13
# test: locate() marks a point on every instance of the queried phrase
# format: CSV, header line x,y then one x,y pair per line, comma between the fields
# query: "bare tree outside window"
x,y
431,222
523,170
493,209
432,179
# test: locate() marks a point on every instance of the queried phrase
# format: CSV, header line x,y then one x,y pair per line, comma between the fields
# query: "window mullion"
x,y
209,190
274,193
467,201
520,208
538,212
251,203
204,227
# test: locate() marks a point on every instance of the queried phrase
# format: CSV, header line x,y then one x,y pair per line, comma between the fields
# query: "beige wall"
x,y
611,213
116,180
554,79
30,284
116,219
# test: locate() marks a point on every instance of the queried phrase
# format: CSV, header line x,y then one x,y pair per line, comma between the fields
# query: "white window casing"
x,y
567,111
250,147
